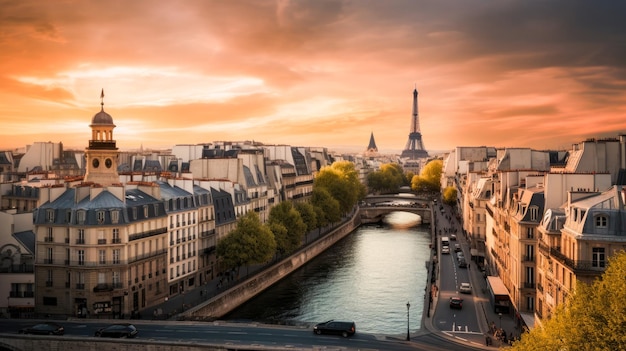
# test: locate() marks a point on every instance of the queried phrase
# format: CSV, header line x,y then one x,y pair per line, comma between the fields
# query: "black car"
x,y
456,302
343,328
45,328
121,330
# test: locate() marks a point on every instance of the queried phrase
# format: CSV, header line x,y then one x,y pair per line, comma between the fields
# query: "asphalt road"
x,y
249,334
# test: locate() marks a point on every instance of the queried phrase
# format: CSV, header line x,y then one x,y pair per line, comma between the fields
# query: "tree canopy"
x,y
450,195
593,318
388,179
286,215
251,242
342,182
429,179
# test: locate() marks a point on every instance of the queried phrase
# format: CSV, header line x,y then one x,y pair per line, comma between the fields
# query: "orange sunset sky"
x,y
506,73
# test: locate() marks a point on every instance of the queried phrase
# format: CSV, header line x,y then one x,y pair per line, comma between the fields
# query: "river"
x,y
368,277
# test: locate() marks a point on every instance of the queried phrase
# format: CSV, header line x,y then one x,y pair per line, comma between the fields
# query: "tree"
x,y
593,318
308,215
449,195
250,242
286,215
326,207
388,179
342,182
429,179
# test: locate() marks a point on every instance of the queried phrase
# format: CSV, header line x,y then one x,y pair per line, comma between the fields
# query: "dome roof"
x,y
102,118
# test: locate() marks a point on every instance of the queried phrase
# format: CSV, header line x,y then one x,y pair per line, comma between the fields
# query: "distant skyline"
x,y
511,73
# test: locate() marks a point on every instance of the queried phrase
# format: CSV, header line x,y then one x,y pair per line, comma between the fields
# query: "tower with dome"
x,y
102,153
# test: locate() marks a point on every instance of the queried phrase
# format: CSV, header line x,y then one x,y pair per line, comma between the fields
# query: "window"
x,y
534,213
134,212
530,233
80,217
81,257
80,280
102,256
116,256
102,279
145,211
49,301
115,216
100,217
117,283
50,215
49,237
81,236
49,255
116,236
601,221
49,278
598,257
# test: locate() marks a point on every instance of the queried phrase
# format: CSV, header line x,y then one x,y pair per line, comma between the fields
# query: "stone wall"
x,y
230,299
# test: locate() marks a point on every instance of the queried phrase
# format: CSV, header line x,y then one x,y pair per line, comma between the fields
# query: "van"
x,y
343,328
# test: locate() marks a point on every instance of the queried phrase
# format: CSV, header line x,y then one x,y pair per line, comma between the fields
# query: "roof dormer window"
x,y
602,221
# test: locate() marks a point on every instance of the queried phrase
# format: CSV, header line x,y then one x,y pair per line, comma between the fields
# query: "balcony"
x,y
528,258
147,234
49,284
103,288
102,241
578,266
528,285
80,241
48,239
116,241
102,144
48,261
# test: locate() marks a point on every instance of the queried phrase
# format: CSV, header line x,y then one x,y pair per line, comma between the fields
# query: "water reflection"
x,y
368,277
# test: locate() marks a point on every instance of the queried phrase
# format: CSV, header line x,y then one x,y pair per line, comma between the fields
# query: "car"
x,y
457,247
445,250
465,288
343,328
44,328
452,236
456,302
462,263
460,255
119,330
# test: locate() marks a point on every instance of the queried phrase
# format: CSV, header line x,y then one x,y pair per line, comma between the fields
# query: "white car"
x,y
465,288
445,250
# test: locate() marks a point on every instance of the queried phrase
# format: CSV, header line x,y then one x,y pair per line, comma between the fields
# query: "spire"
x,y
102,99
372,144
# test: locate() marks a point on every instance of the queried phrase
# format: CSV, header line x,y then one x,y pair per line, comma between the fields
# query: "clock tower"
x,y
102,154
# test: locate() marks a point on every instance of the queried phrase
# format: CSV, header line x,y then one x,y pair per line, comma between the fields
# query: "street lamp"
x,y
408,336
500,315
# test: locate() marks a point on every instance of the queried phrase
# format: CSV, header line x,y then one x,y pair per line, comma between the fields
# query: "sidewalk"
x,y
491,324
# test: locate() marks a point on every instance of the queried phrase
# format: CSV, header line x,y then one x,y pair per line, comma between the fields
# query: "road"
x,y
297,338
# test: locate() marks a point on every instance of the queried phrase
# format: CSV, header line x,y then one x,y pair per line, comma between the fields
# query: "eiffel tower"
x,y
414,148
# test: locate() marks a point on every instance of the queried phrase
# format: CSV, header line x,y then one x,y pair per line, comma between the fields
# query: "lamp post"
x,y
408,336
500,315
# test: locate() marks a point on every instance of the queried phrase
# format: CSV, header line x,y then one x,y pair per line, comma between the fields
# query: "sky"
x,y
320,73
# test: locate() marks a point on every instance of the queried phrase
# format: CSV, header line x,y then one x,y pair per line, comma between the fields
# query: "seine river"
x,y
367,277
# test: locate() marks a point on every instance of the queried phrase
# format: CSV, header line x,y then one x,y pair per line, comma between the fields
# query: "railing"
x,y
49,283
48,239
18,268
80,286
147,234
147,255
578,266
80,241
116,241
528,285
102,241
21,294
528,258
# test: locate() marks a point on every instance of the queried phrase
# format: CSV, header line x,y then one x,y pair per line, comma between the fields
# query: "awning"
x,y
529,319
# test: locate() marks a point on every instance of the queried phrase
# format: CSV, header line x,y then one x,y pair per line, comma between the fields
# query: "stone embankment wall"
x,y
234,297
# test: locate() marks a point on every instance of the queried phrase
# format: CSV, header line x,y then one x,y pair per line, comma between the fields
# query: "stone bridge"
x,y
375,207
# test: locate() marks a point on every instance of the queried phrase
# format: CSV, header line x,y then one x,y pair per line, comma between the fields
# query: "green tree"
x,y
250,242
342,182
286,215
593,318
449,195
388,179
326,207
429,179
308,214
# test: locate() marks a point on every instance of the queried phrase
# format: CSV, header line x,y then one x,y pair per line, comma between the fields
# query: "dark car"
x,y
45,328
456,302
343,328
121,330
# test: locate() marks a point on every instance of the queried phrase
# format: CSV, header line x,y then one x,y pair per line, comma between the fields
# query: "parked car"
x,y
445,250
343,328
462,263
452,236
456,302
460,255
120,330
45,328
457,247
465,288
